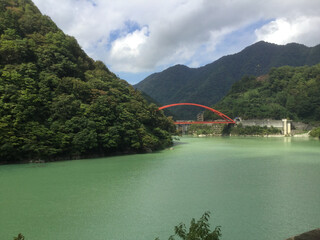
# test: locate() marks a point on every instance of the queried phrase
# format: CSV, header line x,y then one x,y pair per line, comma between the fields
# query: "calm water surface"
x,y
255,188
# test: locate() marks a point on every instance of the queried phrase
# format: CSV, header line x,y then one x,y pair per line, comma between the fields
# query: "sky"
x,y
136,38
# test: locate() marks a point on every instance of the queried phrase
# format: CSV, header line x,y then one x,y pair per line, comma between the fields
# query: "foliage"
x,y
19,237
57,103
198,230
315,132
286,92
209,84
254,130
200,129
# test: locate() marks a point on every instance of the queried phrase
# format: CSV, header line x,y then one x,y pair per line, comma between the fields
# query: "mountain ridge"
x,y
209,83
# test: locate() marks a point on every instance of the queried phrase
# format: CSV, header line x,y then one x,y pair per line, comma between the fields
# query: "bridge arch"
x,y
225,118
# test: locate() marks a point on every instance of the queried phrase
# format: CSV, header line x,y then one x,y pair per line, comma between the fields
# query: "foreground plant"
x,y
199,230
20,237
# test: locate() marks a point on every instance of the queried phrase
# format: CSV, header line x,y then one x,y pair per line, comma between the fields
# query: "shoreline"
x,y
304,135
82,157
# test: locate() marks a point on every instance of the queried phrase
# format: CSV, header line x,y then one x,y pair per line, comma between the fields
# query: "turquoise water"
x,y
255,188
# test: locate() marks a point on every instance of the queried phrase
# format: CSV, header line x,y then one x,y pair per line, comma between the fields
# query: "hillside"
x,y
207,85
57,103
285,92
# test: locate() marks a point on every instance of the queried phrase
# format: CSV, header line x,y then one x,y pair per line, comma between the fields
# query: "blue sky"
x,y
136,38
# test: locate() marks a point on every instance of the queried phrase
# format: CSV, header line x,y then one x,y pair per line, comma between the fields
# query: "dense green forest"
x,y
209,84
57,103
286,92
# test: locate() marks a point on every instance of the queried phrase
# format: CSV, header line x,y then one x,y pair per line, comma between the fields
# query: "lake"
x,y
255,188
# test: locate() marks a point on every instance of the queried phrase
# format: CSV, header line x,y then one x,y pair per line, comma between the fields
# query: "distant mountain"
x,y
285,92
208,84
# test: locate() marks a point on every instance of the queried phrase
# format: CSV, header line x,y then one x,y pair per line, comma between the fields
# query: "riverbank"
x,y
80,157
254,130
310,235
305,135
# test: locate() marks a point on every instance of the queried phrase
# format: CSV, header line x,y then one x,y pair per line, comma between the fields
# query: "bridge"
x,y
225,119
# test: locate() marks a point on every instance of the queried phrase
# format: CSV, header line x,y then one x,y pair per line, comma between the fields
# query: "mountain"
x,y
208,84
57,103
285,92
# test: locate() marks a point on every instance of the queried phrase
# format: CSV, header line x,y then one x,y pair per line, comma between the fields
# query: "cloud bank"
x,y
145,35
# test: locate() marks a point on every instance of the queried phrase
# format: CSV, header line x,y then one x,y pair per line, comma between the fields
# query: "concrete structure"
x,y
274,123
286,129
183,128
200,117
215,128
284,125
261,123
301,126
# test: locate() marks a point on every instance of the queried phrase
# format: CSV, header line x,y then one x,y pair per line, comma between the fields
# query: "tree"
x,y
315,132
199,230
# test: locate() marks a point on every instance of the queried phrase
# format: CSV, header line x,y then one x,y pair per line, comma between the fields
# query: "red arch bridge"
x,y
225,119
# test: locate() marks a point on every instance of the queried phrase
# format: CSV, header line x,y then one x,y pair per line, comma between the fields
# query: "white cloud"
x,y
179,31
126,49
282,31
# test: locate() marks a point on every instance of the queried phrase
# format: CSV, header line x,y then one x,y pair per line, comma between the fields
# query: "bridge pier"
x,y
183,128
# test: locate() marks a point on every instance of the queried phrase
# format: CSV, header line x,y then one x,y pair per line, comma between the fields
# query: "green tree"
x,y
198,230
315,132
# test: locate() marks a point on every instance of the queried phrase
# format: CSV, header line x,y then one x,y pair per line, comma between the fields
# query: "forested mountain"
x,y
207,85
57,103
286,92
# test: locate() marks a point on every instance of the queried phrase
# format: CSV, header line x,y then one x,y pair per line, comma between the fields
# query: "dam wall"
x,y
274,123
